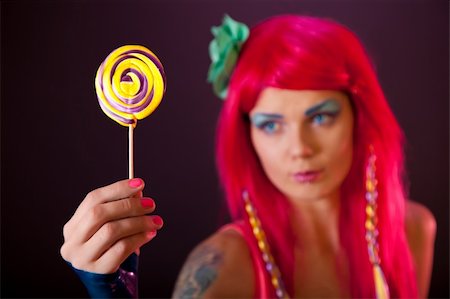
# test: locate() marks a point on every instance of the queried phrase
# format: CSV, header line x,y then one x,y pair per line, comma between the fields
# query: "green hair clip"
x,y
224,51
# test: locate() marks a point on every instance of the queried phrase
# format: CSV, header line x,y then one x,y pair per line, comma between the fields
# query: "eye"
x,y
321,119
270,127
268,123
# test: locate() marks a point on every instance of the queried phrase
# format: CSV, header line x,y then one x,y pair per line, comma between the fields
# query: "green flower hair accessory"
x,y
224,51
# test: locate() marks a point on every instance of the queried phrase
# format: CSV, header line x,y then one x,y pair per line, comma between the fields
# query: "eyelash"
x,y
327,118
266,129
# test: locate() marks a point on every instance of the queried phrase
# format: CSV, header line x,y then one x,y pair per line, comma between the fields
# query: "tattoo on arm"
x,y
198,273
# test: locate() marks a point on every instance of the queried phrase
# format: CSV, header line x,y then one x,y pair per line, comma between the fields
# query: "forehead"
x,y
287,100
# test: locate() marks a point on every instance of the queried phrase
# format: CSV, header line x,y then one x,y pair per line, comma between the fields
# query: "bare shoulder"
x,y
219,267
419,220
420,227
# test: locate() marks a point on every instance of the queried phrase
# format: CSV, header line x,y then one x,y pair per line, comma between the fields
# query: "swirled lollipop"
x,y
130,84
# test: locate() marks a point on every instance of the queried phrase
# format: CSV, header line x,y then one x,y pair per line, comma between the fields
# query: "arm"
x,y
421,232
220,267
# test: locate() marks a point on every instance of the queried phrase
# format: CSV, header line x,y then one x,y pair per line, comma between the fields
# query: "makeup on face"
x,y
329,106
303,139
268,122
323,113
259,118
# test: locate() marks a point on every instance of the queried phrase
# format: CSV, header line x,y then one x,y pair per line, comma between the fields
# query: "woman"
x,y
310,157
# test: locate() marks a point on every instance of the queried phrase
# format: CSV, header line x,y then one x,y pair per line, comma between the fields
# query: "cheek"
x,y
345,157
263,150
268,153
341,152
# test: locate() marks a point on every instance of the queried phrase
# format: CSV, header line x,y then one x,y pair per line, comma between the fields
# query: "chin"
x,y
311,193
304,198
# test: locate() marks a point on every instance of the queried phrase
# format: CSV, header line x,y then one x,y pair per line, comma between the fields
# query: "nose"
x,y
301,144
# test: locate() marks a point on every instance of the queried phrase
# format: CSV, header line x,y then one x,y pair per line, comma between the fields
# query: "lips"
x,y
307,176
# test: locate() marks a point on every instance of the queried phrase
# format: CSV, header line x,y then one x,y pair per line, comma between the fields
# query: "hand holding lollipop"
x,y
130,84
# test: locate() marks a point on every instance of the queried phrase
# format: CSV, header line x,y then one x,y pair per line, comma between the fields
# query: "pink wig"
x,y
294,52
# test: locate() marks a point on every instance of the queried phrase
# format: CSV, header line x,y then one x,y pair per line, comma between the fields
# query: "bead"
x,y
370,185
369,225
370,211
371,196
275,282
371,235
371,242
370,172
261,245
256,231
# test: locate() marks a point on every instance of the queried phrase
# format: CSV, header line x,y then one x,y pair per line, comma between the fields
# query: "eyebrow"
x,y
261,117
326,105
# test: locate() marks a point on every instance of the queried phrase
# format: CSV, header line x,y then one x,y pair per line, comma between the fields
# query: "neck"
x,y
315,223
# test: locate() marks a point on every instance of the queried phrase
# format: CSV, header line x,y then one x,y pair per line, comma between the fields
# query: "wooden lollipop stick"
x,y
131,163
130,152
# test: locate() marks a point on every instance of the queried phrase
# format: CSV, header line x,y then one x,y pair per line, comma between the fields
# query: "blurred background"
x,y
57,145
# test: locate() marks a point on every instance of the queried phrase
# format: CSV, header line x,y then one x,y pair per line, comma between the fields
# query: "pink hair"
x,y
294,52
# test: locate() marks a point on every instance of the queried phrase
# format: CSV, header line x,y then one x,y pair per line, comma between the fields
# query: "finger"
x,y
138,194
112,211
118,190
111,232
110,261
115,191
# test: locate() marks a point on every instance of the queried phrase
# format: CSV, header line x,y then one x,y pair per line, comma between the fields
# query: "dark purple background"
x,y
57,144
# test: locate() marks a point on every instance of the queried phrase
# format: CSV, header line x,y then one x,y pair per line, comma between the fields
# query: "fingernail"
x,y
151,234
157,220
134,183
147,203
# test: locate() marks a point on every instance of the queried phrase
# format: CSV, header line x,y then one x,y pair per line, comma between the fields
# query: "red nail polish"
x,y
147,203
134,183
151,234
157,220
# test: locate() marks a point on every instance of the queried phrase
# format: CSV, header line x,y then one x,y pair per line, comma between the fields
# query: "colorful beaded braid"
x,y
263,245
381,287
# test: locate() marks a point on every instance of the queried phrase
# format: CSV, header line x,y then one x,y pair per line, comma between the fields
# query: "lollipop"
x,y
130,84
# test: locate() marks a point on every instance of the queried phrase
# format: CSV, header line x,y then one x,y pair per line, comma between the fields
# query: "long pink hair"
x,y
295,52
